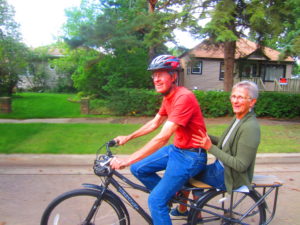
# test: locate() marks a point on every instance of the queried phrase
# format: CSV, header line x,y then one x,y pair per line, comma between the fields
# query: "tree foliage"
x,y
13,53
113,38
289,41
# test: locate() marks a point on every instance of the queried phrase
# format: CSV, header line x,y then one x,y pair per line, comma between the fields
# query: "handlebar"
x,y
111,143
101,163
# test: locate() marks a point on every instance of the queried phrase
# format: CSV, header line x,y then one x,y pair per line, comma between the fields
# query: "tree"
x,y
121,32
13,53
232,19
289,41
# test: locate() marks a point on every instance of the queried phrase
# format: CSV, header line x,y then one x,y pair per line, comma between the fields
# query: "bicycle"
x,y
97,204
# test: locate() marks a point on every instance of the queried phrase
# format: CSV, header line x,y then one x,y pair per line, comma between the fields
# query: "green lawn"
x,y
86,138
42,105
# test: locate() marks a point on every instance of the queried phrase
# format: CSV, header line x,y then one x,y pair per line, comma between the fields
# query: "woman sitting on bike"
x,y
235,150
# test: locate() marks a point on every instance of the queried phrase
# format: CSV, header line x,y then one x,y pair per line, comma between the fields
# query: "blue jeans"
x,y
179,166
213,175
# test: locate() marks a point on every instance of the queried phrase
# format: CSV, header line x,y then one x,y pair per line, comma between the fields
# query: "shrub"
x,y
278,105
142,102
128,101
214,103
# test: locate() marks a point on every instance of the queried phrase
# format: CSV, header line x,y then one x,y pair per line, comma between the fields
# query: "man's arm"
x,y
145,129
153,145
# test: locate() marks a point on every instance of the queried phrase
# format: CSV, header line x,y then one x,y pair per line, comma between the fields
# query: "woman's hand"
x,y
202,140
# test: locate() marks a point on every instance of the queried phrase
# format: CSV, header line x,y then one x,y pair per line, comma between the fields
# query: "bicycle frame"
x,y
127,196
111,180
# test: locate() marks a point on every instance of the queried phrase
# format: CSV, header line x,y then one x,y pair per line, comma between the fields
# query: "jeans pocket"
x,y
198,164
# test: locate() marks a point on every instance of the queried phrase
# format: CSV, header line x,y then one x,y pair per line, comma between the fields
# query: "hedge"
x,y
134,102
278,105
142,102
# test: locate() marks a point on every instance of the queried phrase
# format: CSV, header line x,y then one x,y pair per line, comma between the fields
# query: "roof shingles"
x,y
244,49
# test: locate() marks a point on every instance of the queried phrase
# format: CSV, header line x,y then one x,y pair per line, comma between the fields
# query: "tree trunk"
x,y
151,6
229,52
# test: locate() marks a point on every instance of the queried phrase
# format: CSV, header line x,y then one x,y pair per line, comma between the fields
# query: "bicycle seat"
x,y
199,184
257,181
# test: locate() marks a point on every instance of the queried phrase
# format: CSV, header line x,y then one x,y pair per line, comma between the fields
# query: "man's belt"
x,y
199,150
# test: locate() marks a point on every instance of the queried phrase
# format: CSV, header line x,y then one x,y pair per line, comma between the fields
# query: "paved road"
x,y
28,183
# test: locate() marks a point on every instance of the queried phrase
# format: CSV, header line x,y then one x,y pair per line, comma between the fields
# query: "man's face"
x,y
163,81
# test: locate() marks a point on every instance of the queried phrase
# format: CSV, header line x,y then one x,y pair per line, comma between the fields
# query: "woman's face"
x,y
241,102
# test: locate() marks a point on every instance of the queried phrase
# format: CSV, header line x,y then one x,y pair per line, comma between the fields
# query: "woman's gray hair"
x,y
250,86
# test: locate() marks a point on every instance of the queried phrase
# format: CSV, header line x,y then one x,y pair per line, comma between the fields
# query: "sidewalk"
x,y
85,160
140,120
22,164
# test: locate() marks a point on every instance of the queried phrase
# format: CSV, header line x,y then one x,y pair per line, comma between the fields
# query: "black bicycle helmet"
x,y
166,62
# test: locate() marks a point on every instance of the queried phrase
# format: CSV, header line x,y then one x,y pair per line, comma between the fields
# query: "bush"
x,y
143,102
128,101
214,103
278,105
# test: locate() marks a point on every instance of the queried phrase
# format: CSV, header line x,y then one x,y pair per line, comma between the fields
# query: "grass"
x,y
280,138
42,105
86,138
42,138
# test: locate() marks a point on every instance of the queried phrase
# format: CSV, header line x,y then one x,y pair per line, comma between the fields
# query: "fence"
x,y
257,80
291,85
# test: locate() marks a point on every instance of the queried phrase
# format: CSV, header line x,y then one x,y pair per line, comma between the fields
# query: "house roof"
x,y
55,52
244,49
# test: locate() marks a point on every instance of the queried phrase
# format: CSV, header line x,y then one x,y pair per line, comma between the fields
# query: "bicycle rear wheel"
x,y
218,203
74,207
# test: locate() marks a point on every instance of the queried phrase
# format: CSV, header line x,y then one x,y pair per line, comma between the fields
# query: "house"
x,y
41,73
203,66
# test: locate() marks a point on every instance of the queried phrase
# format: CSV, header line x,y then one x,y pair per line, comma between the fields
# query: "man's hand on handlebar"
x,y
121,140
119,163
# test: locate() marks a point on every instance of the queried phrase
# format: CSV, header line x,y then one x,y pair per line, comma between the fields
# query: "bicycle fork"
x,y
96,204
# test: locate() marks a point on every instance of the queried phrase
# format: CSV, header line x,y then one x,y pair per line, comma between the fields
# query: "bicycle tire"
x,y
219,203
74,206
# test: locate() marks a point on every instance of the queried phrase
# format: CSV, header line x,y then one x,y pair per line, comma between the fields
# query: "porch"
x,y
290,85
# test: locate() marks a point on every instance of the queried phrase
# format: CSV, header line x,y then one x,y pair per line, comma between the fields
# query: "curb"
x,y
88,160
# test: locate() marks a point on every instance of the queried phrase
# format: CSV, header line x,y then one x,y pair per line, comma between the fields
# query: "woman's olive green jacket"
x,y
239,153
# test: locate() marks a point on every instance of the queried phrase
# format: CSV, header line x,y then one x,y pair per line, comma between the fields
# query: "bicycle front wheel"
x,y
217,204
82,207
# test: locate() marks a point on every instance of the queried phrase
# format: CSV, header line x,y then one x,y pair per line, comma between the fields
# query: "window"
x,y
196,67
222,69
273,72
248,69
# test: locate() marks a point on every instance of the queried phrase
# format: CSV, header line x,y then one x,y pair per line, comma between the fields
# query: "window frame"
x,y
222,71
197,63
